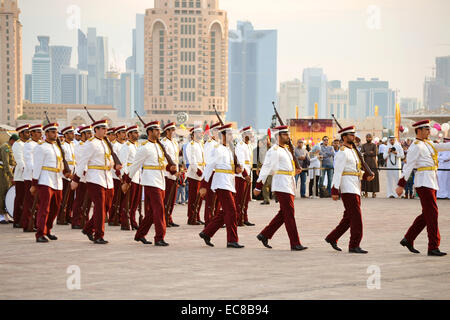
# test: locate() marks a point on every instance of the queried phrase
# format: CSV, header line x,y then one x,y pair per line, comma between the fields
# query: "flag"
x,y
296,112
398,120
376,111
316,111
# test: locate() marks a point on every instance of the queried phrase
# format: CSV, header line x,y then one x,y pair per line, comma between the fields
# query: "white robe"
x,y
393,161
444,176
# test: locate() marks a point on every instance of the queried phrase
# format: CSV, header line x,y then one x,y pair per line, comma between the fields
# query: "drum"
x,y
9,200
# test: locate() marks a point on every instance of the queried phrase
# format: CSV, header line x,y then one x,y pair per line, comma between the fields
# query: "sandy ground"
x,y
188,269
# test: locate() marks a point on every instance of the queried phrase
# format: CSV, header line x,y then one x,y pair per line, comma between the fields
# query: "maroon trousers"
x,y
352,219
169,185
194,187
212,204
428,218
102,199
286,215
18,202
117,193
132,205
27,204
241,185
154,214
78,203
228,215
49,202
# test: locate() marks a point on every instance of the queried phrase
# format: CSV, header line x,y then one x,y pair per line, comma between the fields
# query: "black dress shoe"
x,y
410,247
125,229
264,240
134,227
333,245
201,222
206,239
100,241
143,240
16,226
249,224
234,245
298,248
161,243
174,225
89,235
195,223
436,253
33,230
4,222
357,250
42,239
77,227
168,225
10,221
52,237
264,203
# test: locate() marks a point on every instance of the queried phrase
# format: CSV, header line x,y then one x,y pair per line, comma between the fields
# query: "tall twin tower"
x,y
186,60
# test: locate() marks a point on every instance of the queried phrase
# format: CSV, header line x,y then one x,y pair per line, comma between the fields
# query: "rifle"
x,y
65,164
126,223
169,204
244,199
108,143
290,145
222,124
169,159
85,207
360,156
140,204
62,209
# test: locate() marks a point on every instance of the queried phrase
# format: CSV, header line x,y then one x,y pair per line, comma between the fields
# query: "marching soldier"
x,y
118,137
17,148
279,162
96,156
211,204
150,158
6,175
347,184
196,159
47,181
173,151
223,183
36,135
126,156
69,153
81,195
423,156
244,153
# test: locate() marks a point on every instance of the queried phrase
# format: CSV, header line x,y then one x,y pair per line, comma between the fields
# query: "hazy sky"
x,y
394,40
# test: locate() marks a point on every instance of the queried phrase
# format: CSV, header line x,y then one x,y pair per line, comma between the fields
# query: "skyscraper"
x,y
292,95
186,60
111,89
138,44
337,100
127,95
10,62
60,57
252,75
73,86
41,72
315,82
97,63
82,51
443,70
28,87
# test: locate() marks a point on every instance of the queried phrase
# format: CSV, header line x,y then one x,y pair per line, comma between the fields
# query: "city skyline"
x,y
343,39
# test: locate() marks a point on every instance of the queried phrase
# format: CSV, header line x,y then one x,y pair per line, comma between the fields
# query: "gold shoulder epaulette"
x,y
128,143
276,147
81,143
40,142
217,145
342,148
144,143
90,139
192,142
416,142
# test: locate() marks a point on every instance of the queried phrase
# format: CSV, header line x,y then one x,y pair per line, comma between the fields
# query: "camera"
x,y
392,149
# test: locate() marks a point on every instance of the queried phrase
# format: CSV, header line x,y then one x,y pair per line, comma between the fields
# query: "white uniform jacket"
x,y
150,159
69,154
126,156
423,156
244,154
47,165
280,164
17,149
196,159
96,156
173,151
347,172
221,162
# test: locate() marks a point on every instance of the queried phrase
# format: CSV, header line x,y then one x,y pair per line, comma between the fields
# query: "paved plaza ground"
x,y
188,269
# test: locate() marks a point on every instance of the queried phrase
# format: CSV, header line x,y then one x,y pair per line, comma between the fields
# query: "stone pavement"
x,y
188,269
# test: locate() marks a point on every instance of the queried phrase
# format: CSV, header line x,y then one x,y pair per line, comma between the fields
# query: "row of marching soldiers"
x,y
46,193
